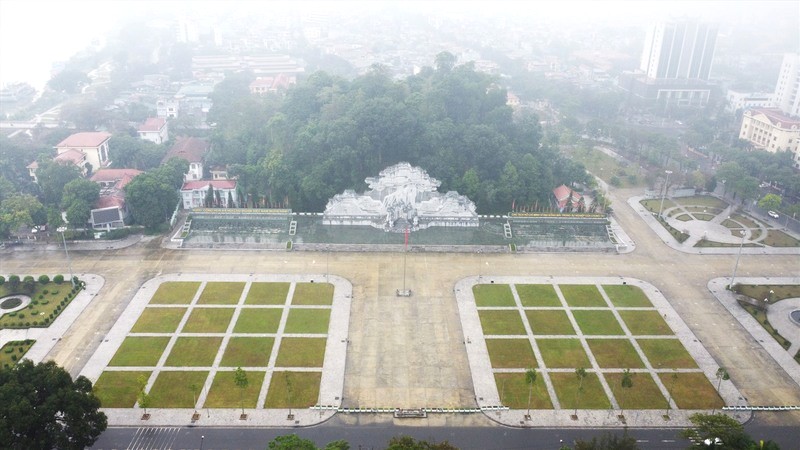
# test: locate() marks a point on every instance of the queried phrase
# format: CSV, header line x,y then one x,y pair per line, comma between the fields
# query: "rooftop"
x,y
85,139
153,124
191,149
776,117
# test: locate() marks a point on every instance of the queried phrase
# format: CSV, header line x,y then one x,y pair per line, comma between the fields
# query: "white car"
x,y
773,214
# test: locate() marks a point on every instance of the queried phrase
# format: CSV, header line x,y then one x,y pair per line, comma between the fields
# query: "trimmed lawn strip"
x,y
615,354
258,320
502,322
704,201
511,353
175,293
208,320
221,293
645,323
514,391
777,238
597,322
267,294
174,389
159,320
625,295
566,387
308,321
667,354
44,307
537,295
118,389
224,392
578,295
692,391
304,390
563,353
139,351
313,294
549,321
493,295
247,352
644,393
761,291
301,352
194,351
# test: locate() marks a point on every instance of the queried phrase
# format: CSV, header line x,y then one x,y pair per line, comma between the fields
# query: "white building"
x,y
772,130
155,130
737,101
92,145
193,150
787,89
679,50
194,193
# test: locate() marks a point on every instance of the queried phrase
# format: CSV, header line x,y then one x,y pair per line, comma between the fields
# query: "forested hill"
x,y
328,134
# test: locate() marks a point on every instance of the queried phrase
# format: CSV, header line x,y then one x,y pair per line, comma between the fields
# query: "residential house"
x,y
219,173
263,85
167,108
88,150
155,130
111,210
193,151
566,199
194,193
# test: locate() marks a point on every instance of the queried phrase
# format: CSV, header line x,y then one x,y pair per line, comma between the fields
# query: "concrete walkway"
x,y
778,316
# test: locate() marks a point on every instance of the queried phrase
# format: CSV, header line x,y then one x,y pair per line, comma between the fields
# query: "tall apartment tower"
x,y
679,50
787,89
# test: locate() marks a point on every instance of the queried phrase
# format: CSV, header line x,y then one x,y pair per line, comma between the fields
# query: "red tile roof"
x,y
83,140
72,155
109,201
201,184
33,165
191,149
562,194
776,116
153,124
121,176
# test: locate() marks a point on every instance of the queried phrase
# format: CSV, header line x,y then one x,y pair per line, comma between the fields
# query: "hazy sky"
x,y
36,33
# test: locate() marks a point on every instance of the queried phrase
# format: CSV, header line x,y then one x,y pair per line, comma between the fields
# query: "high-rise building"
x,y
787,89
679,50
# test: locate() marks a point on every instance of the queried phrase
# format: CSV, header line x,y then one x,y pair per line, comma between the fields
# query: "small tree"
x,y
721,374
143,397
627,383
193,388
717,426
44,279
209,200
13,282
58,279
580,372
240,379
289,386
770,201
530,379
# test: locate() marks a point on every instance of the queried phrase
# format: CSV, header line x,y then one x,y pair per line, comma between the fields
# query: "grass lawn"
x,y
175,293
761,317
308,321
537,295
666,354
14,348
501,322
692,391
684,217
293,389
703,217
582,295
728,223
208,320
549,321
493,295
225,393
645,323
777,238
267,294
139,351
514,391
119,389
653,205
703,200
301,352
45,305
566,387
745,220
258,320
625,296
644,393
563,353
597,322
615,353
194,351
159,320
761,291
510,353
313,294
221,293
174,389
247,352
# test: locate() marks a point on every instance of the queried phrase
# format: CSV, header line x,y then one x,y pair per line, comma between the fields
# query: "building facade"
x,y
787,89
679,50
155,130
93,146
194,194
771,130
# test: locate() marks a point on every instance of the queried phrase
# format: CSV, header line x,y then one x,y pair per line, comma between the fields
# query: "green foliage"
x,y
58,279
20,210
69,81
134,153
53,177
152,196
78,214
770,201
2,280
409,443
13,281
291,442
608,441
44,279
710,426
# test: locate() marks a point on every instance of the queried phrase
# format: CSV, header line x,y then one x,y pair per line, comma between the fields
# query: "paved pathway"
x,y
778,315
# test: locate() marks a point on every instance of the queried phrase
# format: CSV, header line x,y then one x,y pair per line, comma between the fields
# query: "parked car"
x,y
773,214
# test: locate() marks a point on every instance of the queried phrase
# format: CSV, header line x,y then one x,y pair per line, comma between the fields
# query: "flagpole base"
x,y
404,292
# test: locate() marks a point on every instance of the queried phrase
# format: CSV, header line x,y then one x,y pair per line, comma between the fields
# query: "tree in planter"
x,y
530,379
240,379
13,282
721,375
580,372
289,388
627,383
143,397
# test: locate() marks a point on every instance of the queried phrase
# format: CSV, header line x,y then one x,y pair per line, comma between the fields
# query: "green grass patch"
x,y
761,317
493,295
221,293
208,320
159,320
615,354
728,223
566,386
510,353
703,201
692,391
293,390
247,352
667,354
644,394
139,351
224,392
301,352
313,294
777,238
194,351
38,313
502,322
563,353
762,291
118,389
175,293
579,295
258,320
537,295
746,221
173,389
684,217
703,217
597,322
267,294
653,205
626,296
645,323
308,321
16,349
605,167
514,391
549,321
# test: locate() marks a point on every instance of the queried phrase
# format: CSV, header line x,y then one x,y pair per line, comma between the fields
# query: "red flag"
x,y
513,203
406,237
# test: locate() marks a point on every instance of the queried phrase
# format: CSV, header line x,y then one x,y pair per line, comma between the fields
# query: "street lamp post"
x,y
664,194
69,263
736,266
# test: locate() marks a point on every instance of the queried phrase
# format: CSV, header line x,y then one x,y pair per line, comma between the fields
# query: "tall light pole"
x,y
736,266
664,194
69,263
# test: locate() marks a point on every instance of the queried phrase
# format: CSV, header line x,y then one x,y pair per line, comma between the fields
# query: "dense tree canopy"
x,y
152,196
53,176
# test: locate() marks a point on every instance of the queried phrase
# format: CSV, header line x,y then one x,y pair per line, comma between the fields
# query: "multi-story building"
x,y
193,151
787,89
155,130
195,193
738,101
771,130
93,146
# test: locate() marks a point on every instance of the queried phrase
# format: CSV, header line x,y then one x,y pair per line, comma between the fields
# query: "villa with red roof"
x,y
566,199
111,211
87,150
194,193
155,130
263,85
193,150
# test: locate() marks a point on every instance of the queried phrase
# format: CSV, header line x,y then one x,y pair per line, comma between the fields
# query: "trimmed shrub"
x,y
58,279
13,357
44,279
27,279
13,281
27,324
21,316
